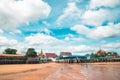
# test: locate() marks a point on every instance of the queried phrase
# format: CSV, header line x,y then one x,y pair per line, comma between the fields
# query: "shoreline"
x,y
105,63
55,71
27,67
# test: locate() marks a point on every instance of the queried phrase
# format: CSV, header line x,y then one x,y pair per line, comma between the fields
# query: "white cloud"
x,y
50,44
15,13
96,17
47,31
73,40
7,42
79,49
115,45
46,42
18,31
41,39
14,32
105,3
81,29
46,23
70,13
12,43
78,1
1,31
112,30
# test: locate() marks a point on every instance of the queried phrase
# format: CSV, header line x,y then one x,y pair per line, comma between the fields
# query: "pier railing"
x,y
78,60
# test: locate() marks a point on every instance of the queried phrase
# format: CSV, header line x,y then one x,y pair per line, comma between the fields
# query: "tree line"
x,y
30,51
94,55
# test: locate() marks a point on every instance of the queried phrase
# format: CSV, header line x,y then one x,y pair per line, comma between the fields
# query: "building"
x,y
41,54
50,55
101,52
65,53
32,60
12,59
112,54
88,56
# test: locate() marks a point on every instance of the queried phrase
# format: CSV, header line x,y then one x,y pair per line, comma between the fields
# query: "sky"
x,y
77,26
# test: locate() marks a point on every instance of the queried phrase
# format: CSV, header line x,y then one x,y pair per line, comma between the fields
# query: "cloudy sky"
x,y
79,26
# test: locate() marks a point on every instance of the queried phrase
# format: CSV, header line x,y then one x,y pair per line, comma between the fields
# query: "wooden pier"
x,y
89,61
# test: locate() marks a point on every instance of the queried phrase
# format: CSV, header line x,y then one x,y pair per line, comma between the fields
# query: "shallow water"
x,y
66,72
86,72
101,72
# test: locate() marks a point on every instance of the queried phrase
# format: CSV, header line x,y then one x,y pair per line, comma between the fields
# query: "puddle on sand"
x,y
86,72
104,72
65,73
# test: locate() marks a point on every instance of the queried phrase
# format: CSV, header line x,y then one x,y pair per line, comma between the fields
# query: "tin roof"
x,y
11,55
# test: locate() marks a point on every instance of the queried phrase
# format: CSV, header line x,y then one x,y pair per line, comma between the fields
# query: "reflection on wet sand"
x,y
101,72
62,71
86,72
66,72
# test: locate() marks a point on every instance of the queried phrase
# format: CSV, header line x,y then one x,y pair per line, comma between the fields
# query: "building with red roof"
x,y
101,52
50,55
65,53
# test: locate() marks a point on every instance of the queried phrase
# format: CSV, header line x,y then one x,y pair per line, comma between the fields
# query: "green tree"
x,y
9,51
115,53
92,55
31,52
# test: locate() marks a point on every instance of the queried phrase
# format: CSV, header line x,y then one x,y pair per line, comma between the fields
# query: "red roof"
x,y
101,52
65,53
50,55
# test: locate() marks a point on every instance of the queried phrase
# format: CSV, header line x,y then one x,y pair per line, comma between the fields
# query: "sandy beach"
x,y
61,71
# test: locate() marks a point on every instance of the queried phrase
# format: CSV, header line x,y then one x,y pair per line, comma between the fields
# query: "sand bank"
x,y
60,71
48,71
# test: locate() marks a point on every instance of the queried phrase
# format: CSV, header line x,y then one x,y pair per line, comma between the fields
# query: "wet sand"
x,y
102,71
61,71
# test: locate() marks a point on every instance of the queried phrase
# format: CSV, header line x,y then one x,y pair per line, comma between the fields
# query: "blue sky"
x,y
78,26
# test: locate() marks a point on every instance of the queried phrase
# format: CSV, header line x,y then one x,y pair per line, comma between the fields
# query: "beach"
x,y
61,71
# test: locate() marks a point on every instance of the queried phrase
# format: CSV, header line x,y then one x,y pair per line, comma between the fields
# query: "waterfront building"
x,y
12,58
50,55
41,54
65,54
101,52
33,60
